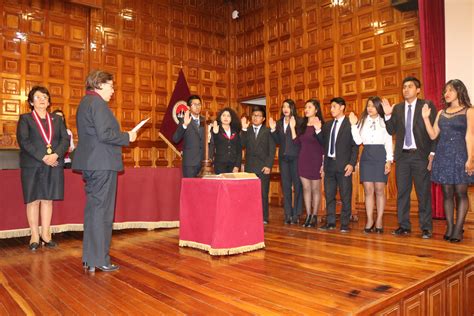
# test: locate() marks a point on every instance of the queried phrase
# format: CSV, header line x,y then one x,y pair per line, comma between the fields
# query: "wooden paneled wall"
x,y
303,49
277,48
143,43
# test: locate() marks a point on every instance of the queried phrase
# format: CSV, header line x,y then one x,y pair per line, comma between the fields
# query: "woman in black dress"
x,y
226,138
43,141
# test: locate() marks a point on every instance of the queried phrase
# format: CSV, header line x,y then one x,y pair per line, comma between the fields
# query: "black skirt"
x,y
372,164
42,183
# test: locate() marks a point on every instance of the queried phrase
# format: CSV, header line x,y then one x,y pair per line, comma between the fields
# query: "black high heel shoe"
x,y
369,230
34,246
314,220
307,221
379,230
49,244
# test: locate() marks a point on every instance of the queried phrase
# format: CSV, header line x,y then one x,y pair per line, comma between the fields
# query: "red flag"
x,y
176,106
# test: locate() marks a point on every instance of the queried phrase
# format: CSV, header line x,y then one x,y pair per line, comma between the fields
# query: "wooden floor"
x,y
301,272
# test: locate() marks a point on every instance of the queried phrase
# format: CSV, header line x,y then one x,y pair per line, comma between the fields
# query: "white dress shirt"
x,y
373,132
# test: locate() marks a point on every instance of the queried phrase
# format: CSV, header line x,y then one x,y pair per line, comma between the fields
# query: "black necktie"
x,y
332,144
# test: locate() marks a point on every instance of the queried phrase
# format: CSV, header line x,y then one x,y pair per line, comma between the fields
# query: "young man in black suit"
x,y
340,157
259,152
191,129
413,155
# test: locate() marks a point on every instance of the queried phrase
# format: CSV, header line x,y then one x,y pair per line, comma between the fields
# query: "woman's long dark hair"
x,y
319,115
292,105
461,90
377,102
235,124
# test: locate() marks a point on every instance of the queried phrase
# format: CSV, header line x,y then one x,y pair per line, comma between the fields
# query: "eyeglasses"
x,y
111,85
40,97
196,104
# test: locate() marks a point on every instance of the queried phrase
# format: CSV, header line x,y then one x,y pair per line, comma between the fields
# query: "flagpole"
x,y
169,144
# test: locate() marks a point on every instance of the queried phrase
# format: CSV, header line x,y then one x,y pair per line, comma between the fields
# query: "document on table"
x,y
139,125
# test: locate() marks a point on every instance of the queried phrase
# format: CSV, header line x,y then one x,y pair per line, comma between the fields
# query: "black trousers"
x,y
290,179
191,171
332,181
265,186
411,167
223,167
101,188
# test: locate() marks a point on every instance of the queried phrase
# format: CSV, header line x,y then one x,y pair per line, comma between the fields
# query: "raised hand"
x,y
317,123
353,118
272,123
215,127
425,111
187,118
387,108
245,122
292,122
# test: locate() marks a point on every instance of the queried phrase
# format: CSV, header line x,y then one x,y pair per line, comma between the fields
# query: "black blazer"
x,y
346,149
287,146
100,139
259,152
396,126
227,150
32,145
193,149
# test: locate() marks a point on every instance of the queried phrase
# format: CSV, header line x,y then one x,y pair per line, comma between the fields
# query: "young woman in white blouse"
x,y
376,159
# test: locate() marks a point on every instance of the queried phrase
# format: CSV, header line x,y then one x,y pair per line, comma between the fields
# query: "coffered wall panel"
x,y
143,44
313,49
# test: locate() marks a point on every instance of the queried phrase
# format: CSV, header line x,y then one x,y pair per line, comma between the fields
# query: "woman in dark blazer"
x,y
288,161
43,141
227,151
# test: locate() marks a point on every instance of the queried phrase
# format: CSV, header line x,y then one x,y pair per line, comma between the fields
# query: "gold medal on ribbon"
x,y
46,137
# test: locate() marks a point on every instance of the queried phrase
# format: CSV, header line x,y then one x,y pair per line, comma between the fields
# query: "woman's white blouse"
x,y
373,133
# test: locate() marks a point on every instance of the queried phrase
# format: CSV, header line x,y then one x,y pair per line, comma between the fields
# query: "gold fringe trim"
x,y
80,227
221,251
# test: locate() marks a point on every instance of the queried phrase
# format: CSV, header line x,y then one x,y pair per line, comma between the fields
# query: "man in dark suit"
x,y
259,152
413,155
99,157
191,131
340,157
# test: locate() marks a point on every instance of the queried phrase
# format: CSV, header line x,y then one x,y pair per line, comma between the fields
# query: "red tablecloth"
x,y
221,216
146,198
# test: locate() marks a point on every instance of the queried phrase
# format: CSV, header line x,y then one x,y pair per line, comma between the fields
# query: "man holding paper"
x,y
99,157
191,131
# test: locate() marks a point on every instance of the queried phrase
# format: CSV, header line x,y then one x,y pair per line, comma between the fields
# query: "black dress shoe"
x,y
345,229
454,240
108,268
287,219
327,227
265,222
426,234
295,220
49,244
446,237
401,231
34,246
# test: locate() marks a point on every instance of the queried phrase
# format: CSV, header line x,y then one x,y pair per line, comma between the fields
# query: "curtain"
x,y
433,61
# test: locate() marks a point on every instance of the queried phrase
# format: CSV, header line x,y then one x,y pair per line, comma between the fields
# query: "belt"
x,y
409,151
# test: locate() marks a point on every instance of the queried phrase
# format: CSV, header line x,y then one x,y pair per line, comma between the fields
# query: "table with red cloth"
x,y
146,198
221,216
